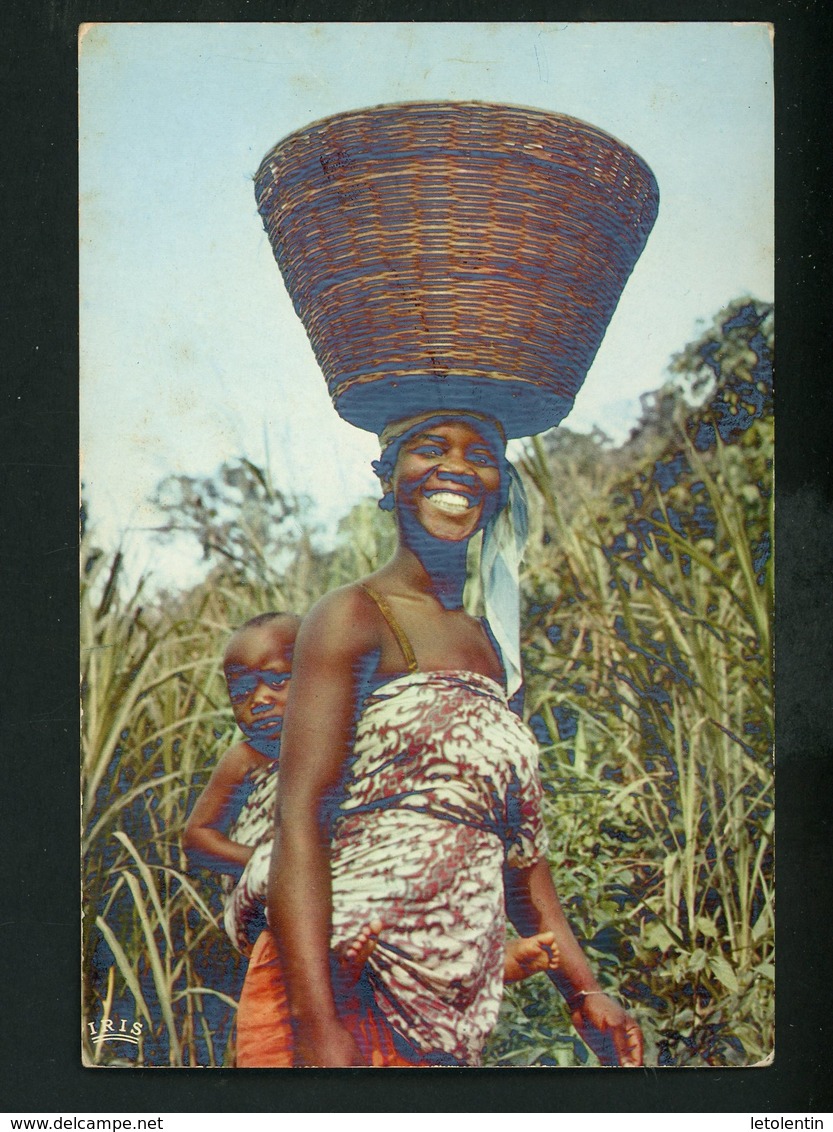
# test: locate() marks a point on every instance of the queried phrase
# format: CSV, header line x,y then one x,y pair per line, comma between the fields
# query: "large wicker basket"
x,y
455,255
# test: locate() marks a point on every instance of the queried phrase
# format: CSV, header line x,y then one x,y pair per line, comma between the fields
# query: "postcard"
x,y
426,591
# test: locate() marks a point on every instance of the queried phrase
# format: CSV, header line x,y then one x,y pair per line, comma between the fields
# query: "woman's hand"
x,y
327,1047
528,955
610,1032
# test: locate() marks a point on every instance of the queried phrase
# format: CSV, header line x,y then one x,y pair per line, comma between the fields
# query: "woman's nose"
x,y
458,469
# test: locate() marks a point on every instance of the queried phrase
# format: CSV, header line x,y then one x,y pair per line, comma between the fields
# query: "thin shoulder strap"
x,y
396,628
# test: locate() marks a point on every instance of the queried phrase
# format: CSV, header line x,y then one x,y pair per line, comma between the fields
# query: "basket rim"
x,y
533,111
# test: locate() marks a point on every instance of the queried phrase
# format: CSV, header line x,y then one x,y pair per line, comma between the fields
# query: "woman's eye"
x,y
428,450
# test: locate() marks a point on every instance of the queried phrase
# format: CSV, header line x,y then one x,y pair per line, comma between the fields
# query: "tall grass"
x,y
155,719
151,698
649,685
648,589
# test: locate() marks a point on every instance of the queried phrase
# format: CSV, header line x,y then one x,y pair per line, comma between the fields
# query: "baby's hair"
x,y
268,618
265,618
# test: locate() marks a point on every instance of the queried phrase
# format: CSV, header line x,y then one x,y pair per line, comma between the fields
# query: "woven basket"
x,y
455,255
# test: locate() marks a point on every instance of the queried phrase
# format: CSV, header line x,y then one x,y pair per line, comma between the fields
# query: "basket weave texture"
x,y
455,255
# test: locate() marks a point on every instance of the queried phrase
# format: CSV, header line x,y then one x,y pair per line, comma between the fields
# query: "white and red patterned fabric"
x,y
254,825
442,790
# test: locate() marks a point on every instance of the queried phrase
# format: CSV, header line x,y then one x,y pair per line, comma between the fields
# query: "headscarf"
x,y
504,536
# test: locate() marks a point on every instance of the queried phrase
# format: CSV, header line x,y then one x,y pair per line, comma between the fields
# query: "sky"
x,y
191,353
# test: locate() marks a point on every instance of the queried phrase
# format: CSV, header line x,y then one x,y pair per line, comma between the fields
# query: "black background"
x,y
40,1066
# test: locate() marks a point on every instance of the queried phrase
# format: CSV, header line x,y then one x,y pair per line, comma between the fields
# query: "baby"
x,y
233,818
235,812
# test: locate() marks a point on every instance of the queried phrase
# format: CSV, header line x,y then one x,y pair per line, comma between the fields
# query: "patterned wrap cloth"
x,y
254,825
442,790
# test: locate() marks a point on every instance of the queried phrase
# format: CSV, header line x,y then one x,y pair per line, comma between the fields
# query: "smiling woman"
x,y
470,459
410,799
455,266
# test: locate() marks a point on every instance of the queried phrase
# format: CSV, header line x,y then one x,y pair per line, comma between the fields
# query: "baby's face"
x,y
257,667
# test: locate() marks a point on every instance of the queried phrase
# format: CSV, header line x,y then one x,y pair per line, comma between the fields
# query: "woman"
x,y
409,790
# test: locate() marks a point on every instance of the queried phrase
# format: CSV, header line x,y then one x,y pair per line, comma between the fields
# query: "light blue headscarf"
x,y
500,562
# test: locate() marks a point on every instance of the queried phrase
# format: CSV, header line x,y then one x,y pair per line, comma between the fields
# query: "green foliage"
x,y
648,589
256,538
648,662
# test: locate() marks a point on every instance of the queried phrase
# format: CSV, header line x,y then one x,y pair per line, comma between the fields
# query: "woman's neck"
x,y
433,567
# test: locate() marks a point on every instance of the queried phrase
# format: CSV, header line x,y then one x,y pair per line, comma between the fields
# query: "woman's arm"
x,y
203,839
533,906
317,737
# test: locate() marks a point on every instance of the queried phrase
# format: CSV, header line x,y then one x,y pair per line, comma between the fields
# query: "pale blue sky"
x,y
190,350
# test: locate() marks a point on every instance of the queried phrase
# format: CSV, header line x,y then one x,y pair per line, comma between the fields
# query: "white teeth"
x,y
450,502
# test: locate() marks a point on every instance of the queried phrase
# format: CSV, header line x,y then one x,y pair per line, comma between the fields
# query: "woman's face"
x,y
448,478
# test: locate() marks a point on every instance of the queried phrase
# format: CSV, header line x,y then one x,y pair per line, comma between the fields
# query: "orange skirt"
x,y
264,1032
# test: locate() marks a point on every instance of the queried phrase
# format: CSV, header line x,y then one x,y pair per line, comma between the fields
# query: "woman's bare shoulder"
x,y
347,602
343,620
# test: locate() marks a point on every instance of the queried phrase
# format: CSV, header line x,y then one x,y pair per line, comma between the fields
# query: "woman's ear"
x,y
387,503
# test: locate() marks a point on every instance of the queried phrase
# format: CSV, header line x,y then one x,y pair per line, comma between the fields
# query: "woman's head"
x,y
447,476
446,470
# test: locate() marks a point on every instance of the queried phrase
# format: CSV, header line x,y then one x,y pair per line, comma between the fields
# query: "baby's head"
x,y
257,665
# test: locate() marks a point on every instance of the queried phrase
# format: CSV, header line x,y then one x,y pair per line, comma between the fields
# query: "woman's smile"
x,y
450,502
